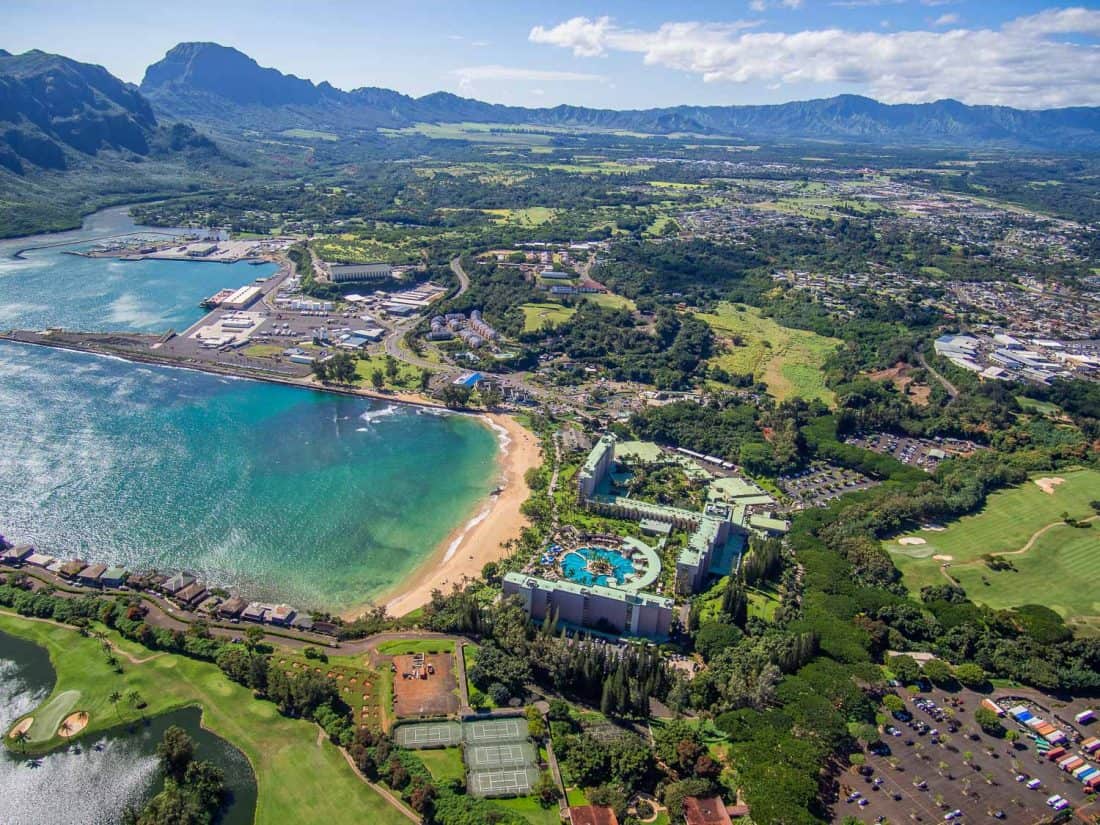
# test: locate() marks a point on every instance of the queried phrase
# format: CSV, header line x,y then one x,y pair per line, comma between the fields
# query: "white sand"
x,y
74,723
23,726
911,540
1047,485
943,558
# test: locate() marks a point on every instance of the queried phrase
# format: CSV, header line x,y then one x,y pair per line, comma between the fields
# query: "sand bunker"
x,y
941,557
74,723
911,540
23,726
1047,485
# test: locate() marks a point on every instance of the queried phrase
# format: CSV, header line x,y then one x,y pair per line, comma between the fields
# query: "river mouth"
x,y
91,782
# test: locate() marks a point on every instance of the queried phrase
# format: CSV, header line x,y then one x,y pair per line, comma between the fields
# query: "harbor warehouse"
x,y
373,271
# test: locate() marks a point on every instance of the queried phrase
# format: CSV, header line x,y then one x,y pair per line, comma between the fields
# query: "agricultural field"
x,y
789,360
528,216
300,777
538,315
309,134
1025,525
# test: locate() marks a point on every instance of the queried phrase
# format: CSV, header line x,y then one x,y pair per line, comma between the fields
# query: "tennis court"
x,y
503,782
428,735
511,755
494,731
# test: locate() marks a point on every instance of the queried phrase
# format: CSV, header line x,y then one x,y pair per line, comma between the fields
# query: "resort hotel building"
x,y
614,600
596,606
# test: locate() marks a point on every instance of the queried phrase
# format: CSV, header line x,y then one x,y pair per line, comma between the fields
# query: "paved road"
x,y
460,273
947,385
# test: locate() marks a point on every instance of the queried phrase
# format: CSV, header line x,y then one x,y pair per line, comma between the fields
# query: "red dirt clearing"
x,y
434,696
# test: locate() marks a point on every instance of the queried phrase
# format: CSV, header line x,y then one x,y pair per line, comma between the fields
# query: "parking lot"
x,y
925,453
934,764
821,483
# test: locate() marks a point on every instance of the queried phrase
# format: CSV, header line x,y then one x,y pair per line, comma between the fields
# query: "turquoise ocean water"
x,y
288,494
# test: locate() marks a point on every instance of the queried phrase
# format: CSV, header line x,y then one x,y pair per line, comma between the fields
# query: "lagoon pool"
x,y
574,566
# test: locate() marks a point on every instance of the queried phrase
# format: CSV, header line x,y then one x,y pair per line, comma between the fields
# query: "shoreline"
x,y
467,548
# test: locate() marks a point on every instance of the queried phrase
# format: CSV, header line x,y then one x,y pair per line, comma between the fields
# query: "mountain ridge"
x,y
208,80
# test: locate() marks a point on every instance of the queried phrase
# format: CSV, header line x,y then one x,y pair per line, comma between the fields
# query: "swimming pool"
x,y
574,566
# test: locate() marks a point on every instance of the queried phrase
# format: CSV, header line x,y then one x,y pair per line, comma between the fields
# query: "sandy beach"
x,y
478,540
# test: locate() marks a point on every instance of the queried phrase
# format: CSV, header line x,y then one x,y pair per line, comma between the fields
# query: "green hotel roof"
x,y
114,573
768,523
605,443
584,589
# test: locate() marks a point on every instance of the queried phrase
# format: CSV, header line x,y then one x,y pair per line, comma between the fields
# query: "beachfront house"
x,y
113,577
231,608
192,594
16,556
177,583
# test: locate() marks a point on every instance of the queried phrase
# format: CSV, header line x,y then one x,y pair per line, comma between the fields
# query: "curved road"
x,y
460,273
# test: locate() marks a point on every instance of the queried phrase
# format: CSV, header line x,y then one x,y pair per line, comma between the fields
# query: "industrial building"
x,y
242,298
598,607
367,271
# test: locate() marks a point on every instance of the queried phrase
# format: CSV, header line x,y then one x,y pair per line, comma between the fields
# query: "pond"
x,y
94,780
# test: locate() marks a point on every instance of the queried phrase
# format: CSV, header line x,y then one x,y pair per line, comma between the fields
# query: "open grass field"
x,y
527,216
1053,572
351,247
310,134
1010,522
407,378
473,132
531,810
404,646
609,300
537,315
300,777
789,360
445,764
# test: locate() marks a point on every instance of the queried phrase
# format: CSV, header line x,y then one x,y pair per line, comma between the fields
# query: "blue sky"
x,y
613,54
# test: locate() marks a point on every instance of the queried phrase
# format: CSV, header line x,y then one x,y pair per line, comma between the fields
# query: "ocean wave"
x,y
452,548
370,416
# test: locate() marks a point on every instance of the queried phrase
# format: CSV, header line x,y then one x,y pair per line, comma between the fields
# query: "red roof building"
x,y
593,815
709,810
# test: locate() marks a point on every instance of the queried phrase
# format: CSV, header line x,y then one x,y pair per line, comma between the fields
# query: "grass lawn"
x,y
444,763
403,646
263,350
359,686
575,797
1050,573
789,360
309,134
527,216
537,315
300,778
407,378
531,810
1006,524
609,300
1040,407
763,601
477,698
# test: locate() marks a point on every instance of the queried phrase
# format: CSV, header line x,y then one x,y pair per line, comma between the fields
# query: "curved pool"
x,y
575,566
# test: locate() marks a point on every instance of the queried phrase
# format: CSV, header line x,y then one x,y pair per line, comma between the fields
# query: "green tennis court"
x,y
510,755
428,735
503,782
494,731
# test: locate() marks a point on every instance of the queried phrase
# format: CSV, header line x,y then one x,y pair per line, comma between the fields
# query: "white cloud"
x,y
1027,62
468,75
947,20
762,5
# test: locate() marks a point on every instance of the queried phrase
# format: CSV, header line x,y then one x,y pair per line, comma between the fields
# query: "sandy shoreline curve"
x,y
478,539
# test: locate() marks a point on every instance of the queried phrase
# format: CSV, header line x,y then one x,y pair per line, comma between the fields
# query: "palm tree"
x,y
134,698
21,737
114,699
